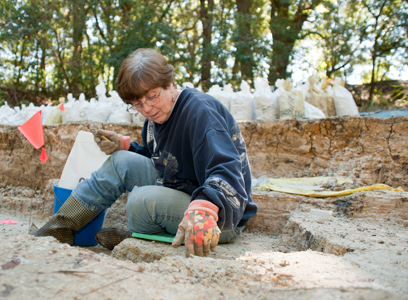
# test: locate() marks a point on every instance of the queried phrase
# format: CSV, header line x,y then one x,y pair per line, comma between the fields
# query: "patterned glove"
x,y
200,232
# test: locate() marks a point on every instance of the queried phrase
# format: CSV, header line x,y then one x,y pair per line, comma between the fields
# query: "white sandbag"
x,y
46,111
85,157
291,103
266,103
120,115
17,118
25,113
6,114
315,96
118,109
138,119
114,99
343,100
101,91
55,117
328,94
223,95
279,88
242,104
215,91
312,112
76,111
70,99
303,87
100,111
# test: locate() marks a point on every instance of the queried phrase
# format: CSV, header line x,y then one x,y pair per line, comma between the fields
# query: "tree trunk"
x,y
286,28
245,40
79,28
375,48
372,83
206,58
19,63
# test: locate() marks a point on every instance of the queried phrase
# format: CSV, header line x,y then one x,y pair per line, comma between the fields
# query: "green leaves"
x,y
52,47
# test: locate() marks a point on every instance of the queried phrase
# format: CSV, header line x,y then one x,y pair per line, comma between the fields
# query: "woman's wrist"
x,y
204,205
124,142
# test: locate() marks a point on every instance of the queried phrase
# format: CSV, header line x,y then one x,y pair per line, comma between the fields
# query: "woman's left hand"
x,y
200,233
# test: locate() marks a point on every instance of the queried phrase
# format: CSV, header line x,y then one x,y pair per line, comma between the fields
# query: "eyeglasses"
x,y
136,108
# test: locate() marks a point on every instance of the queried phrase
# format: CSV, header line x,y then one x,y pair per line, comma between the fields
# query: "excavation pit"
x,y
359,252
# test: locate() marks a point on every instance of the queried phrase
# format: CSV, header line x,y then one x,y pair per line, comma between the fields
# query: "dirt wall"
x,y
368,150
19,160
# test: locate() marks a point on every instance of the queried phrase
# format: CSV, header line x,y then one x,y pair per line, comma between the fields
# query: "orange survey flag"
x,y
43,156
33,130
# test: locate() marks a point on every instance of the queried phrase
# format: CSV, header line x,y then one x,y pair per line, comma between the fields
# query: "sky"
x,y
303,66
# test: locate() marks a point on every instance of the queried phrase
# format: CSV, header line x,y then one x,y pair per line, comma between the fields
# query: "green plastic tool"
x,y
167,238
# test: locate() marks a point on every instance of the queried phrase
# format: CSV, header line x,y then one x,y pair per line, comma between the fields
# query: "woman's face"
x,y
160,111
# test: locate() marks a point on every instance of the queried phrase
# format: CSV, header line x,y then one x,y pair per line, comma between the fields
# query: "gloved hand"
x,y
108,141
200,233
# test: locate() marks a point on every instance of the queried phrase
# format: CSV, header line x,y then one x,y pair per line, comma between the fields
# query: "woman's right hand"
x,y
108,141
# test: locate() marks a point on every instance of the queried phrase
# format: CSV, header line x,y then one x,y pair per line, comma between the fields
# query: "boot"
x,y
72,216
110,237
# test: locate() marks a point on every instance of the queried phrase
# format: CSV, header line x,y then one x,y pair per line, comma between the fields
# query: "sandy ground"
x,y
257,266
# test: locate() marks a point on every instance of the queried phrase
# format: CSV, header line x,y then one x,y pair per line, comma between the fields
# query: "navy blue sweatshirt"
x,y
199,150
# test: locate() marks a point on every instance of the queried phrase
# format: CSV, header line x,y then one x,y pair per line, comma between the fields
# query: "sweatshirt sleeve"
x,y
220,172
140,149
136,147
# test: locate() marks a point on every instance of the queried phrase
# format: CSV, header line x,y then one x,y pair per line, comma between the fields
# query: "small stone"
x,y
28,193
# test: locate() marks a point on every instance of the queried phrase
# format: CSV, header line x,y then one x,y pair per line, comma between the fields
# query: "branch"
x,y
58,57
310,33
98,27
165,11
189,28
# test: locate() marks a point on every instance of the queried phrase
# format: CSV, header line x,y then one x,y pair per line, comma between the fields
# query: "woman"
x,y
190,177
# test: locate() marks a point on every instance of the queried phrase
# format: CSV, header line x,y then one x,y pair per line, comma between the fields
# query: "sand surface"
x,y
374,264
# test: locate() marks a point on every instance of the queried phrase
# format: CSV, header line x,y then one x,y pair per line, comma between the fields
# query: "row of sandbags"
x,y
311,100
100,109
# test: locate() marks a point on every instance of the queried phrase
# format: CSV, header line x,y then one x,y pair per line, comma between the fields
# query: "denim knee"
x,y
156,209
136,205
230,236
119,159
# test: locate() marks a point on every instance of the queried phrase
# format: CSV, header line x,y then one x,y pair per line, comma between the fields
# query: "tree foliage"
x,y
340,31
54,47
387,32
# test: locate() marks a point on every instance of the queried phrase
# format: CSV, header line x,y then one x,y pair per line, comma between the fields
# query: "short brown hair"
x,y
143,70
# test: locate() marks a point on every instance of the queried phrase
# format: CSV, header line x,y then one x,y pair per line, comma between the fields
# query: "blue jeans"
x,y
151,209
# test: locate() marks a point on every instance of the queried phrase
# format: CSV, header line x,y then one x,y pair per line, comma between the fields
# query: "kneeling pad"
x,y
167,238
